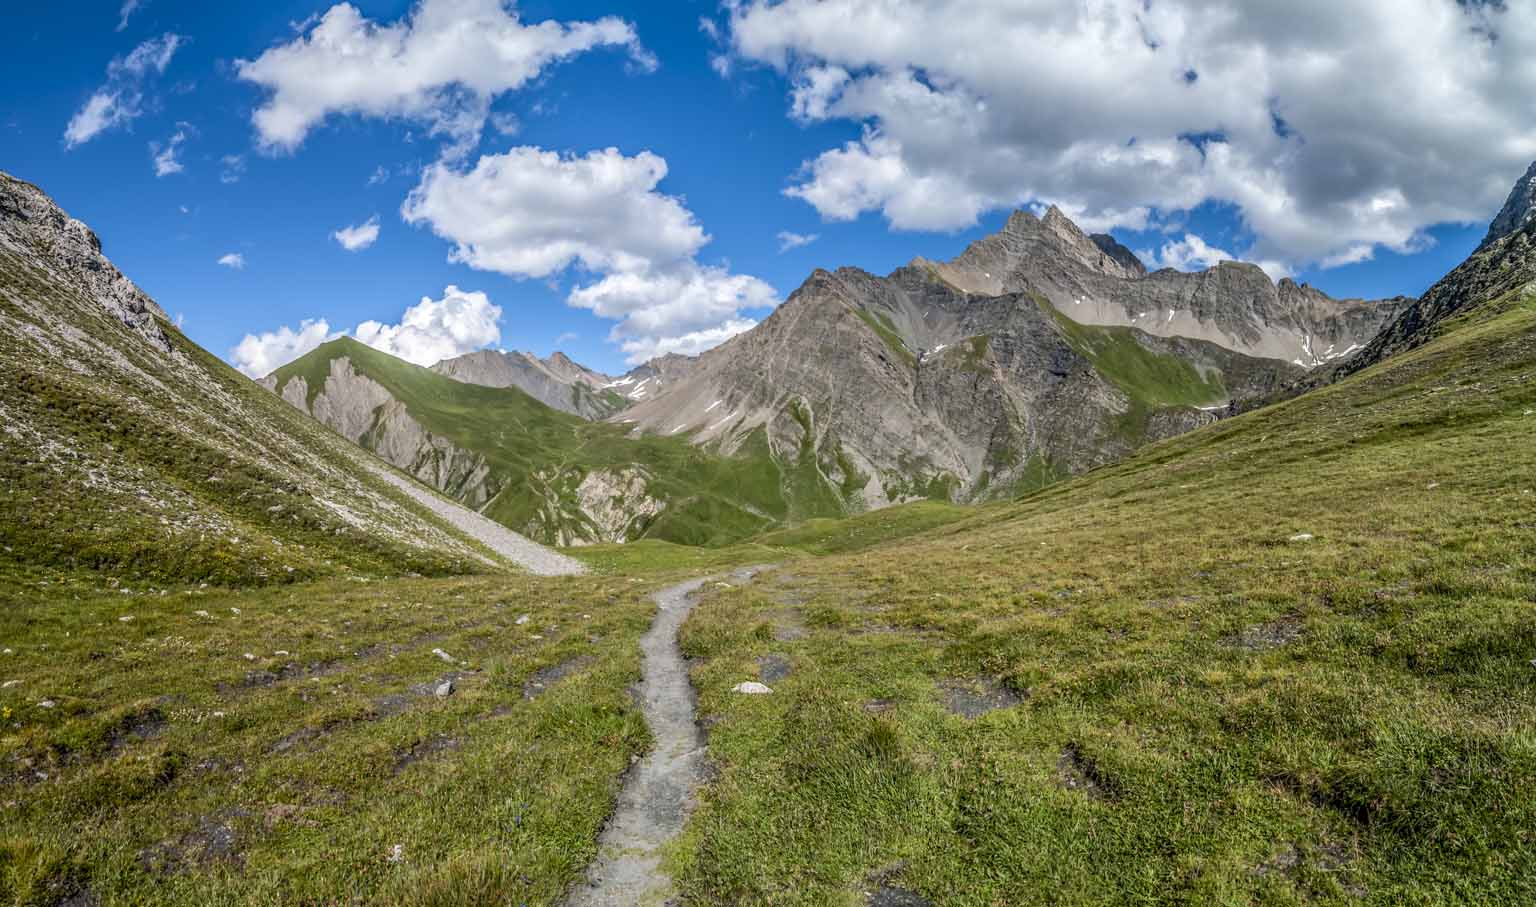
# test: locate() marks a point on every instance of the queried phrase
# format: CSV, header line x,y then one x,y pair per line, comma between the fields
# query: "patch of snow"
x,y
752,688
622,382
713,405
722,421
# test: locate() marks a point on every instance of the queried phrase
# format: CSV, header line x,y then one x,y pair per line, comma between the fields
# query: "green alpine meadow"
x,y
1133,502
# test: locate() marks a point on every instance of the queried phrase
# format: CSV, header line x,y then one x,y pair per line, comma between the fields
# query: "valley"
x,y
1077,611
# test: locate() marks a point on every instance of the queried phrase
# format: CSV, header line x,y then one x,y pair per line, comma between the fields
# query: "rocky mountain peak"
x,y
36,228
1059,223
1519,210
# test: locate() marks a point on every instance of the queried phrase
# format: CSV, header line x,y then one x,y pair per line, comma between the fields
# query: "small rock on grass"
x,y
443,655
444,689
1303,537
752,688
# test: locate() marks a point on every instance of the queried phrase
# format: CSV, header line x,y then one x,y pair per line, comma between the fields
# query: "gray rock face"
x,y
1012,365
1518,211
574,506
72,255
365,413
905,387
558,382
1096,281
654,378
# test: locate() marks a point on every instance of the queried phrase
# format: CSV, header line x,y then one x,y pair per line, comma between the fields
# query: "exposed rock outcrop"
x,y
558,382
1518,210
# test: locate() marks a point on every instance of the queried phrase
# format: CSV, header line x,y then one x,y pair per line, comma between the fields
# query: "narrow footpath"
x,y
658,794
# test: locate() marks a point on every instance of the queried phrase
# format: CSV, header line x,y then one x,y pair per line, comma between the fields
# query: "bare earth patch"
x,y
971,699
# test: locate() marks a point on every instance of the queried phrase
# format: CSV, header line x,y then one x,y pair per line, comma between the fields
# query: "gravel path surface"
x,y
534,557
658,793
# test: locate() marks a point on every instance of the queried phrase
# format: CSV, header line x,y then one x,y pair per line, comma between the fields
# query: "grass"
x,y
276,746
1149,378
1201,710
171,467
537,456
881,324
1284,660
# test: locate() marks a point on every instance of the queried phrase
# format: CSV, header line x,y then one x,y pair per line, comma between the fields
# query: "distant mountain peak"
x,y
1519,209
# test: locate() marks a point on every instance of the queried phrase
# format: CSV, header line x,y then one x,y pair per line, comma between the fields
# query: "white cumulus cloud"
x,y
531,213
120,100
1194,254
233,260
429,332
644,349
442,66
437,329
359,236
259,355
788,240
1331,128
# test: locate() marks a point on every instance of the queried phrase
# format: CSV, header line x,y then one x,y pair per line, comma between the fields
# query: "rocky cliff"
x,y
1039,352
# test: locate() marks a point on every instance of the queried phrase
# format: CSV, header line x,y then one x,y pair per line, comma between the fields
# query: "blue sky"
x,y
738,116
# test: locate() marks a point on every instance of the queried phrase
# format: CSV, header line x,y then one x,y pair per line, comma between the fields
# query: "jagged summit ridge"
x,y
1095,280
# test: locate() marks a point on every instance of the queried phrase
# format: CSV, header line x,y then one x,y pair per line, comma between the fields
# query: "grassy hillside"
x,y
1283,660
538,454
167,465
224,641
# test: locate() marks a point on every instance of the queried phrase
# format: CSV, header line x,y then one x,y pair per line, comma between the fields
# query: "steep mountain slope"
x,y
1518,211
125,447
1505,262
557,382
1039,352
551,475
1285,659
653,378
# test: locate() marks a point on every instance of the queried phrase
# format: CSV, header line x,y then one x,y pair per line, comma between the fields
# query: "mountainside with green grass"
x,y
1289,658
126,448
548,474
910,386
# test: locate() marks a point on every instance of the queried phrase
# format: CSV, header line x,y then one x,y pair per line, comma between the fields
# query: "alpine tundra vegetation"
x,y
1034,550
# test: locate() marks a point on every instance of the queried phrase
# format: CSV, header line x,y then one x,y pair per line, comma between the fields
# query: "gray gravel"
x,y
532,556
658,793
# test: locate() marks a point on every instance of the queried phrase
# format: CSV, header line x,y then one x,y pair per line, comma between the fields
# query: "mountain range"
x,y
1039,353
